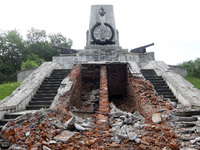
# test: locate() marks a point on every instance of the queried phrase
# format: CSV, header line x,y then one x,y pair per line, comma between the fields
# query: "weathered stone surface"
x,y
64,136
195,140
131,135
156,118
44,147
80,127
70,123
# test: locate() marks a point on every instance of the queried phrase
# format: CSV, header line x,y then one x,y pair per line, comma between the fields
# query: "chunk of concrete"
x,y
156,118
64,136
80,127
70,123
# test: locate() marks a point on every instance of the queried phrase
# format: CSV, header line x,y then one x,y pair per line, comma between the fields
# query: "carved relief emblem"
x,y
102,33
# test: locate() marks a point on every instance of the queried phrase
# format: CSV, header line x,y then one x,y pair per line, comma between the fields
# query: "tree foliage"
x,y
29,64
37,48
193,67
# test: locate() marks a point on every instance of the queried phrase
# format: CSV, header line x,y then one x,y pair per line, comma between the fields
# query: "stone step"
x,y
148,71
158,82
48,88
174,100
186,119
149,77
11,116
165,93
149,74
161,86
156,78
37,107
4,121
43,99
163,90
51,82
50,85
61,70
187,113
40,103
54,78
188,137
47,92
60,73
185,130
45,95
197,116
185,124
169,96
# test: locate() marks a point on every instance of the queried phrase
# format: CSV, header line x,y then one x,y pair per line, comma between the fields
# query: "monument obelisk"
x,y
102,33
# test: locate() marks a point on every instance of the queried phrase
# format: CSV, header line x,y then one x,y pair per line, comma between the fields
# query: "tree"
x,y
193,67
11,54
36,49
41,44
29,64
59,40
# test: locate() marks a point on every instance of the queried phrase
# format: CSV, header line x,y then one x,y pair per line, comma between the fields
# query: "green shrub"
x,y
29,64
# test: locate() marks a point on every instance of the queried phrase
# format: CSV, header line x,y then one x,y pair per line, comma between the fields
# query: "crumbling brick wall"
x,y
117,80
77,86
71,96
102,117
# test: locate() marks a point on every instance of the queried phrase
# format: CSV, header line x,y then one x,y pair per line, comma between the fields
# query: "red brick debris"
x,y
37,131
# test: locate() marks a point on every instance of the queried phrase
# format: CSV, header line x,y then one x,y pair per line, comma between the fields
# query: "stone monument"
x,y
102,43
102,33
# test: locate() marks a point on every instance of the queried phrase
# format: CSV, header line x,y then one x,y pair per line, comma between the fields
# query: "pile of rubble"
x,y
124,124
89,101
34,130
143,122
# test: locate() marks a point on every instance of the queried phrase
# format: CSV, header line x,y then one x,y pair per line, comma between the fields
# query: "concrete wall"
x,y
180,70
20,97
67,62
23,74
185,92
140,58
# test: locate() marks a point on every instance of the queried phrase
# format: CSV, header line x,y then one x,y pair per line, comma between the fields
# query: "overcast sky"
x,y
173,25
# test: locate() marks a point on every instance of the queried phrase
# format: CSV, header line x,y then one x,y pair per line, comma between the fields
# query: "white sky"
x,y
173,25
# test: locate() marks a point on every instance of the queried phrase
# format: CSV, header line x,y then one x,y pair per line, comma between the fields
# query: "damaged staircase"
x,y
186,118
43,97
159,84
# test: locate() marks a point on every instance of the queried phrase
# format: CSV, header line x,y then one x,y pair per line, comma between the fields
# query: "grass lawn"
x,y
194,81
7,88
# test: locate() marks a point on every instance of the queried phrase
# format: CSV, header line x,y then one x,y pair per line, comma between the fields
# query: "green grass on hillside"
x,y
194,81
7,88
